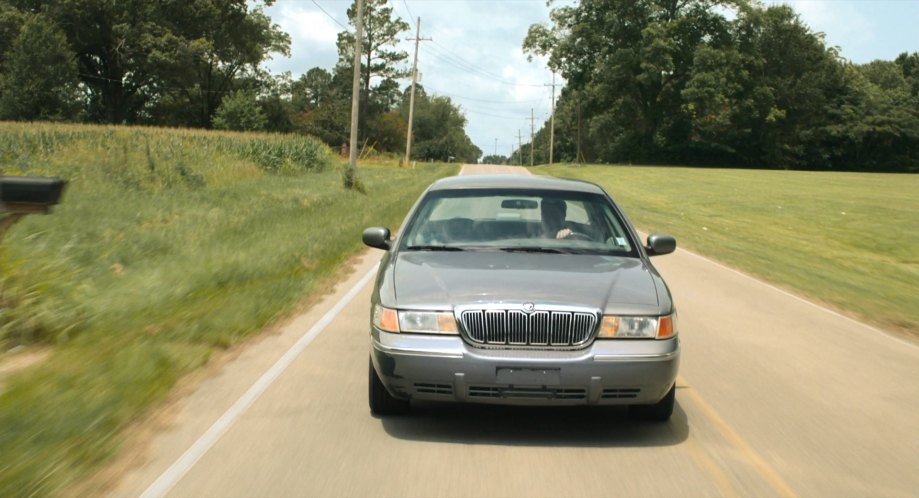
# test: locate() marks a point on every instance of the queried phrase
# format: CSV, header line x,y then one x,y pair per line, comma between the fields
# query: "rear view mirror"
x,y
377,237
29,194
519,204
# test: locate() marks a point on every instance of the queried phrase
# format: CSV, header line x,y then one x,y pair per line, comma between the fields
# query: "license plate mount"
x,y
529,376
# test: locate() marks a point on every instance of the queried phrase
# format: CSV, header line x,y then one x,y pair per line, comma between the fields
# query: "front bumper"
x,y
608,372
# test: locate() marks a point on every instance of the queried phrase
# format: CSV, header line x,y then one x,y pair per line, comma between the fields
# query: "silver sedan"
x,y
521,290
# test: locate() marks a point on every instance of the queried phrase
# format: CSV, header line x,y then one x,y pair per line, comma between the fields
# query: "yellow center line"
x,y
759,464
722,481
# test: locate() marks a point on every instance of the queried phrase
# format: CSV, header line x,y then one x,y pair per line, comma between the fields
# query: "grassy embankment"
x,y
169,246
850,240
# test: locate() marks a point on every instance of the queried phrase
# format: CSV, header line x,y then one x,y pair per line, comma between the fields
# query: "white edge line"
x,y
882,332
165,482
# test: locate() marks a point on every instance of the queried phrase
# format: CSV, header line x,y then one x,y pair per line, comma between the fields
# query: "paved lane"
x,y
776,398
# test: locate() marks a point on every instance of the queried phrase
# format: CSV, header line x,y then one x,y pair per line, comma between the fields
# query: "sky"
x,y
475,55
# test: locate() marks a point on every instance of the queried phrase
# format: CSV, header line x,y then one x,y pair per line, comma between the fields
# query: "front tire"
x,y
658,412
381,402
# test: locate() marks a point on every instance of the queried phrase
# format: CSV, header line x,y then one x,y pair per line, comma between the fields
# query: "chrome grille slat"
x,y
517,328
513,327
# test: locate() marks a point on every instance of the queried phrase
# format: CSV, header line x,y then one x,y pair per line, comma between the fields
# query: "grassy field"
x,y
850,240
169,246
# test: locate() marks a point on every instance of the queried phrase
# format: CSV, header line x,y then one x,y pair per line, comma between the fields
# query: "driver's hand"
x,y
563,233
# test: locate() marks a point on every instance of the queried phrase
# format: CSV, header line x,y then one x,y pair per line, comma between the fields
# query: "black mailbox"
x,y
29,194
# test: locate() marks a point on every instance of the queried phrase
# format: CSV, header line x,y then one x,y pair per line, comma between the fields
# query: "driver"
x,y
553,212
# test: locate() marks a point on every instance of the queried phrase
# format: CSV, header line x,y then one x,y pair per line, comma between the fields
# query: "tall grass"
x,y
169,245
152,159
850,240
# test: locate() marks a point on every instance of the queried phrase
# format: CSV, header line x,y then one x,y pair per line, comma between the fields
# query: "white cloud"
x,y
313,38
311,26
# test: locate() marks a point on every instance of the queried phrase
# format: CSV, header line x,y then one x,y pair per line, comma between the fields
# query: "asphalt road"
x,y
776,397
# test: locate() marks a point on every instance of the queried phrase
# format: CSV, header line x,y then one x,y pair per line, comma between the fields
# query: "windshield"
x,y
518,220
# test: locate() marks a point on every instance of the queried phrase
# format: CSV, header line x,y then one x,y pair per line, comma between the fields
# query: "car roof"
x,y
523,182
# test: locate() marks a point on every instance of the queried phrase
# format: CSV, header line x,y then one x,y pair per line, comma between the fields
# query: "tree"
x,y
389,131
11,20
877,125
909,65
380,61
240,111
764,98
675,81
494,159
381,32
440,129
141,61
212,47
321,104
628,61
38,76
312,90
274,97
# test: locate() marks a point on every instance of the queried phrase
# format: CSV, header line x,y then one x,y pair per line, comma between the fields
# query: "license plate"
x,y
529,376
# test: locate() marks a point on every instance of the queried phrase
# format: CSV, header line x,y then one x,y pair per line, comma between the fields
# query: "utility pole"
x,y
411,100
532,134
552,121
578,157
496,146
519,148
351,175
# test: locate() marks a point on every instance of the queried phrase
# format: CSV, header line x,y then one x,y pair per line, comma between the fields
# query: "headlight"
x,y
414,322
637,327
428,322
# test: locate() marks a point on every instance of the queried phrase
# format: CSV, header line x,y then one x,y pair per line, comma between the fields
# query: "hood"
x,y
442,280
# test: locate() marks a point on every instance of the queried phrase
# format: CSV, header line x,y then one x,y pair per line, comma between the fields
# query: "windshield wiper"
x,y
435,248
545,250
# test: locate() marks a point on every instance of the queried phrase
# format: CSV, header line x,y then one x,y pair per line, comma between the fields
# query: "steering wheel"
x,y
579,236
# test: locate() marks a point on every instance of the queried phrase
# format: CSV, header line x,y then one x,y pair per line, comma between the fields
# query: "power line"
x,y
480,113
452,54
329,15
452,59
486,101
411,15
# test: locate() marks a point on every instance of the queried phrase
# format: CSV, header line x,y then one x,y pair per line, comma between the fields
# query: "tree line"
x,y
199,64
678,82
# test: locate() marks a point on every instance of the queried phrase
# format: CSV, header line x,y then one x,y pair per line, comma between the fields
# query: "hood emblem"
x,y
529,307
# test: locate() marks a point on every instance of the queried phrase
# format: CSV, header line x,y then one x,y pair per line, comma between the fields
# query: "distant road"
x,y
776,397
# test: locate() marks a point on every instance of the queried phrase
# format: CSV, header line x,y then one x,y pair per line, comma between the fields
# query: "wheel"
x,y
658,412
381,402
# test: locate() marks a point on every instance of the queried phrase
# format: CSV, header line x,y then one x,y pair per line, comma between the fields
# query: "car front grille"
x,y
538,328
426,388
619,393
526,393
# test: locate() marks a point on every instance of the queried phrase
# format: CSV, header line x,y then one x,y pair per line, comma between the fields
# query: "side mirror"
x,y
377,237
659,244
29,194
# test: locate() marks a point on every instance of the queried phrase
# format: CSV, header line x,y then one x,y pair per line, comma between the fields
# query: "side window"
x,y
614,232
577,212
